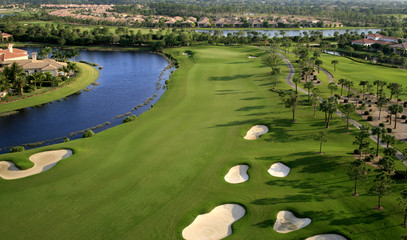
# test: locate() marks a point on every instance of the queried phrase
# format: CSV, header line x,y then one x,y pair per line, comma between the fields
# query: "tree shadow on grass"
x,y
230,78
366,219
230,92
251,98
250,108
236,123
242,62
286,199
257,114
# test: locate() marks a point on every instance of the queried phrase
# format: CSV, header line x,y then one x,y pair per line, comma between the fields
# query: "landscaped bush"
x,y
403,117
356,151
370,118
345,101
370,110
129,119
369,158
381,124
88,133
405,104
315,77
67,139
366,113
370,105
360,102
389,130
17,149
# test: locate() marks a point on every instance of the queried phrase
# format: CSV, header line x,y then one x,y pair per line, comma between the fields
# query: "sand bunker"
x,y
252,57
237,174
42,162
286,222
279,170
186,54
216,224
326,237
255,132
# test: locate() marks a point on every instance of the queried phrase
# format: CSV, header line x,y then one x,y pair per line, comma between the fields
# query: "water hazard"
x,y
127,80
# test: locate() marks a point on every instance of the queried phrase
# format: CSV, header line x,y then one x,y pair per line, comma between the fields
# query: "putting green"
x,y
150,178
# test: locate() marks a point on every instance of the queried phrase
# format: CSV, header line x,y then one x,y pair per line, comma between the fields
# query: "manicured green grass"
x,y
86,75
357,72
150,178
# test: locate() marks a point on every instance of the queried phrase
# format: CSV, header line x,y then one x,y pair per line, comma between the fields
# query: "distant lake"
x,y
127,80
293,33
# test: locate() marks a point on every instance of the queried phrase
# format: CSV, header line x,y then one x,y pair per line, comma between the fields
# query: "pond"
x,y
293,33
126,80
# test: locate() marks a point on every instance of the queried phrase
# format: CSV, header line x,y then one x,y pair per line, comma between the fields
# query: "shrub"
x,y
345,101
405,104
370,118
356,151
88,133
370,105
129,119
17,149
66,139
381,124
369,158
366,113
403,117
370,110
360,102
389,130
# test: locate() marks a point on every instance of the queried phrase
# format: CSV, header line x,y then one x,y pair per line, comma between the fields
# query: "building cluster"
x,y
105,13
30,65
379,39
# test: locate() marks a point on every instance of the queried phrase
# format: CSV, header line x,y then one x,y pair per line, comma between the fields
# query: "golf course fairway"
x,y
150,178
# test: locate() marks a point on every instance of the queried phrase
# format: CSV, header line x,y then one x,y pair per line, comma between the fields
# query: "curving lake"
x,y
126,80
293,33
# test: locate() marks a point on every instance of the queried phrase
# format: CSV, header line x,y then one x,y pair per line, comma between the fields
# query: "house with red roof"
x,y
12,54
5,37
371,39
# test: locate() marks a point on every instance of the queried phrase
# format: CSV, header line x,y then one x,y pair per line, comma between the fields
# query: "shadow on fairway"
x,y
230,78
265,224
229,92
238,62
236,123
250,108
251,98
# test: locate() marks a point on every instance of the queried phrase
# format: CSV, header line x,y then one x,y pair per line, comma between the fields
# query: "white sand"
x,y
42,162
186,54
237,174
286,222
255,132
279,170
326,237
214,225
252,57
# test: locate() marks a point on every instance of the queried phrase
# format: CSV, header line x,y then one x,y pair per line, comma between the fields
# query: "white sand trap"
x,y
286,222
326,237
42,162
279,170
186,54
255,132
237,174
252,57
214,225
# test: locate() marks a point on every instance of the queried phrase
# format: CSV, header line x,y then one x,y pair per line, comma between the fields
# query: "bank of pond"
x,y
129,84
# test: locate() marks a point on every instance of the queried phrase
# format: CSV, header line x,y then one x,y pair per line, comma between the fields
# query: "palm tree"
x,y
296,80
395,89
357,171
309,85
321,138
16,76
332,87
348,109
378,132
5,84
349,84
318,62
395,109
73,53
388,139
35,78
329,107
380,84
342,82
334,62
382,186
44,52
292,102
315,99
363,84
381,102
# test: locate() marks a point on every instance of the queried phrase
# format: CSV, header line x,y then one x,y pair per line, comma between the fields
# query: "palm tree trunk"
x,y
378,141
21,90
347,124
354,194
378,203
395,121
405,219
380,111
293,115
320,147
341,90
